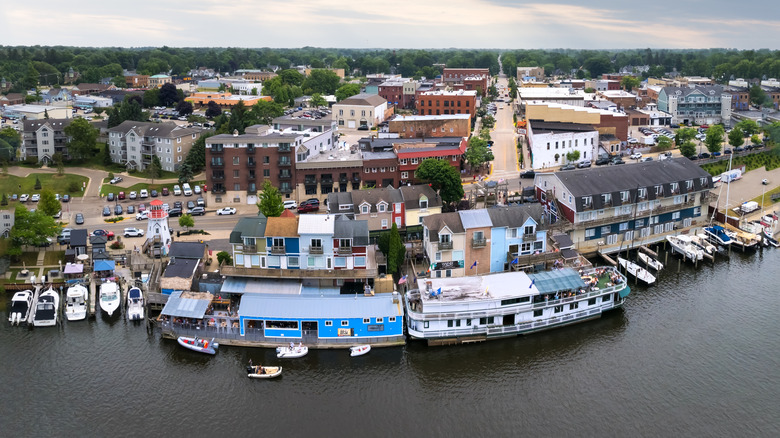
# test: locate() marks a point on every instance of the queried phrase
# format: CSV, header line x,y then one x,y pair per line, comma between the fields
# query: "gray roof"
x,y
351,229
475,219
411,196
54,124
149,129
516,215
78,237
382,155
335,199
187,250
364,99
436,222
273,137
542,127
248,227
563,241
373,197
704,89
185,307
180,268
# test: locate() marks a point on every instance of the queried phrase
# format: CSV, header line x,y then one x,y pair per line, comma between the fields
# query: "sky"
x,y
399,24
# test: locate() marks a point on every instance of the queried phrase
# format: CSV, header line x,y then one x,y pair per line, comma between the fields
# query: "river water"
x,y
696,355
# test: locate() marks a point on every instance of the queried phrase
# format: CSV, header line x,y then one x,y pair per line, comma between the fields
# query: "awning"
x,y
182,307
557,280
74,268
104,265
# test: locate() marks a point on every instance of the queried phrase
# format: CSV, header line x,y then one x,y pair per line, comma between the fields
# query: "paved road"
x,y
505,139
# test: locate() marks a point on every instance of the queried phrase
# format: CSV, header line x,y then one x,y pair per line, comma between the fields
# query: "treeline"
x,y
720,64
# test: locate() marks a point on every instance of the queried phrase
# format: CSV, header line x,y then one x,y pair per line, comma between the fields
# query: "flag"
x,y
473,265
514,262
402,280
438,291
532,283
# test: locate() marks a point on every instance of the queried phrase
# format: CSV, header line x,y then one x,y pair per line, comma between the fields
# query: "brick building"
x,y
447,102
477,79
450,125
410,155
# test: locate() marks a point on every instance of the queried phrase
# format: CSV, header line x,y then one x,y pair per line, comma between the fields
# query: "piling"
x,y
679,262
648,251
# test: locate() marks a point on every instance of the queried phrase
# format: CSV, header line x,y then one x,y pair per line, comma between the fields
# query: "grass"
x,y
53,257
9,184
27,259
767,198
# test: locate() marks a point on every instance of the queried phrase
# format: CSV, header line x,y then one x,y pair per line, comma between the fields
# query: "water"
x,y
696,355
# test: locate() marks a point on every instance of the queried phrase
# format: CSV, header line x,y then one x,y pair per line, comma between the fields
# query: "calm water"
x,y
696,355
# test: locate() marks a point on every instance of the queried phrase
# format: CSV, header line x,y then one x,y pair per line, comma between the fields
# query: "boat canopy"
x,y
557,280
134,293
179,306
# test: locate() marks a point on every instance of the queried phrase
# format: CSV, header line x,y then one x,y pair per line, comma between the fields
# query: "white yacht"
x,y
135,304
46,309
682,245
109,297
76,303
21,304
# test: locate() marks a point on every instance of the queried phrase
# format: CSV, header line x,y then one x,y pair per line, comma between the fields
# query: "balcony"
x,y
217,164
218,177
445,245
278,249
356,178
343,179
284,163
285,176
345,250
239,271
478,243
218,190
251,164
326,179
285,189
251,150
316,250
251,176
310,179
608,220
250,248
285,147
217,150
531,237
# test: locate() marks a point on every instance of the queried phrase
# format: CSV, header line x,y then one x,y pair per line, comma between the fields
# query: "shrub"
x,y
110,175
114,220
224,256
73,186
117,245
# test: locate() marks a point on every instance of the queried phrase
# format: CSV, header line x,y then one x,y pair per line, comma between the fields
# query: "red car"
x,y
307,207
121,195
109,234
165,191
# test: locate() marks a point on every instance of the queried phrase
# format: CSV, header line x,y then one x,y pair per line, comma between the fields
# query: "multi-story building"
x,y
411,155
698,105
772,88
396,92
360,111
380,169
567,96
529,73
133,144
550,142
606,122
44,138
137,81
254,75
625,206
88,88
603,84
6,222
223,99
623,99
450,125
335,170
158,81
473,79
447,102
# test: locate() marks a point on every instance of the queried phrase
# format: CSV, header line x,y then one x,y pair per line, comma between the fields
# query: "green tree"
x,y
748,127
714,138
31,228
45,114
265,111
478,153
736,137
37,185
154,170
169,95
757,95
4,201
59,163
107,161
443,178
151,98
393,248
270,203
196,157
664,143
688,149
488,122
11,136
321,81
755,139
629,82
185,173
212,109
48,204
317,100
684,134
572,156
347,90
184,108
224,257
186,221
83,137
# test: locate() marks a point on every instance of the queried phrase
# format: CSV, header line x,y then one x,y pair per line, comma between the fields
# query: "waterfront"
x,y
696,355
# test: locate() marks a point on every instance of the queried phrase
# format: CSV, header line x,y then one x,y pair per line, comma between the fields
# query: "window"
x,y
328,323
364,209
558,309
415,160
360,261
423,204
381,208
344,323
625,196
529,230
266,160
384,224
437,257
292,262
380,320
538,313
676,216
573,306
404,175
366,320
391,319
236,160
605,298
340,262
592,302
659,190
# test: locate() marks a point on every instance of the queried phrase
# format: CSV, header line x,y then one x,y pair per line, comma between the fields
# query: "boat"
x,y
109,297
359,350
700,240
261,372
446,311
771,240
198,344
717,235
76,303
21,304
650,262
637,271
742,239
682,245
135,304
291,352
46,309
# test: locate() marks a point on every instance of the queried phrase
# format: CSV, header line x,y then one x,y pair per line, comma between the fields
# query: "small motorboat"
x,y
650,262
701,241
637,271
46,309
76,303
359,350
717,234
109,297
291,352
21,304
682,244
135,304
261,372
198,344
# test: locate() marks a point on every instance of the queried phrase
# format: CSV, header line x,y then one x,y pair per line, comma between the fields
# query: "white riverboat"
x,y
109,297
21,305
76,303
446,311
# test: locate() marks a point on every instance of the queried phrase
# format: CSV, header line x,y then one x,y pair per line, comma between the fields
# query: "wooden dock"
x,y
608,259
648,251
92,297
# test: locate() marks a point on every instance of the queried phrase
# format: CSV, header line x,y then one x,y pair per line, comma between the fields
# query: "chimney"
x,y
235,133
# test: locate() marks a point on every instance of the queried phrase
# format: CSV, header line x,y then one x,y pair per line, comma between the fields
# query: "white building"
x,y
6,222
37,112
568,96
360,110
551,141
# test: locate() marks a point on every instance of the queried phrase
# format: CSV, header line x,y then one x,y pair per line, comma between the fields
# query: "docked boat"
x,y
261,372
717,235
76,303
135,304
444,311
198,344
21,304
682,245
637,271
742,239
109,297
701,241
291,352
46,309
650,262
359,350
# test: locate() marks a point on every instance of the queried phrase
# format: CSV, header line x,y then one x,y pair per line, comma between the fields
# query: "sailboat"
x,y
650,262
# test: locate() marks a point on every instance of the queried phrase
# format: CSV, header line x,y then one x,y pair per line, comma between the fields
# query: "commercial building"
x,y
362,110
566,96
623,99
158,81
445,125
254,75
399,92
412,154
605,122
36,112
134,144
44,138
550,142
530,73
447,102
224,100
698,105
137,81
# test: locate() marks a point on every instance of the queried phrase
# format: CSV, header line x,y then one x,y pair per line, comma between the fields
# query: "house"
x,y
56,95
351,250
133,144
613,207
6,222
698,105
90,88
44,138
247,241
189,250
516,231
78,242
12,99
362,110
282,243
98,244
444,241
419,201
315,233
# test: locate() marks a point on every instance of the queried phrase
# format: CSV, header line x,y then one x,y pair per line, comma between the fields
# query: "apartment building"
x,y
133,144
447,102
44,138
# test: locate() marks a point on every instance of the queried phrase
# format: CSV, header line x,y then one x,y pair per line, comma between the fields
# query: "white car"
x,y
133,232
24,198
177,190
141,215
636,156
186,189
226,210
196,189
290,204
144,194
35,197
133,195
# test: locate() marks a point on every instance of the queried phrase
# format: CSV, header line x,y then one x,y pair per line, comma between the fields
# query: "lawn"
x,y
27,259
110,188
95,161
767,198
53,257
10,184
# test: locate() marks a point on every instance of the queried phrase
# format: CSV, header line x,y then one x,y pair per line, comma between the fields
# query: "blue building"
x,y
516,231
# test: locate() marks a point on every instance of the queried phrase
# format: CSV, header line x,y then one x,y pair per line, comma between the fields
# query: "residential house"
x,y
698,105
78,243
444,241
56,95
516,231
133,144
380,208
315,233
362,110
12,99
179,274
419,201
247,241
84,89
44,138
477,226
282,243
351,250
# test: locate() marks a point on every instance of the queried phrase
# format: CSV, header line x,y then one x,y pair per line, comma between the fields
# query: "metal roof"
x,y
316,224
185,307
327,307
248,227
239,285
475,219
557,280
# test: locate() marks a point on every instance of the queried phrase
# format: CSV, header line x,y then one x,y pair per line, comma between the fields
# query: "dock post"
x,y
666,257
679,262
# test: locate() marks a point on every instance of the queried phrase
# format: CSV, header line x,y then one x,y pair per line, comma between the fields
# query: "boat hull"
x,y
359,350
198,345
260,372
640,273
291,353
46,310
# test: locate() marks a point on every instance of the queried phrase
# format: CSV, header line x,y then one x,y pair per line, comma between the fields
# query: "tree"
x,y
714,138
184,108
169,94
688,149
321,81
185,173
83,138
130,109
757,95
748,127
664,143
48,204
347,90
590,89
212,109
736,137
572,156
45,114
393,248
755,139
478,153
317,100
684,134
629,82
186,221
488,122
107,156
270,203
4,201
443,178
224,257
196,157
264,111
37,185
155,168
151,98
31,228
59,162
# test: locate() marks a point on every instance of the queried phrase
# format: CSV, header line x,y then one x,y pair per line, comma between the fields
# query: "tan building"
x,y
360,110
158,81
477,225
447,125
137,81
530,72
339,71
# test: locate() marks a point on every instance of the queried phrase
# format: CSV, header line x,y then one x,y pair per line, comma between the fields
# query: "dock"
x,y
31,313
608,259
92,297
648,251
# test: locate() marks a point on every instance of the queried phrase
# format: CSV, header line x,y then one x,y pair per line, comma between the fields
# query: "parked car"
x,y
121,196
186,189
133,195
65,198
174,212
144,194
177,204
110,197
196,189
226,210
131,209
363,128
141,215
313,201
528,174
64,237
106,211
133,232
197,211
176,190
165,191
116,179
736,149
190,205
645,159
290,204
583,164
24,198
118,209
15,197
716,154
616,161
704,155
35,197
727,151
636,156
79,219
568,167
602,161
109,234
200,202
141,207
153,193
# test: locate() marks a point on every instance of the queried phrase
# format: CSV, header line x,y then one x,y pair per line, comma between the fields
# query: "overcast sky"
x,y
596,24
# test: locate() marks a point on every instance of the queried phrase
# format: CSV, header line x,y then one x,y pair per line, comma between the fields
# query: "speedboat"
x,y
135,304
21,304
359,350
109,297
46,309
717,234
198,344
637,271
291,352
76,303
683,245
650,262
261,372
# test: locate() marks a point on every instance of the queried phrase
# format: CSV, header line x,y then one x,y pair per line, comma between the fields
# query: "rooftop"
x,y
431,117
319,307
450,93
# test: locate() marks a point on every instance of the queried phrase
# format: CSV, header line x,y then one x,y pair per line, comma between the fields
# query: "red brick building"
x,y
447,102
450,125
477,79
410,155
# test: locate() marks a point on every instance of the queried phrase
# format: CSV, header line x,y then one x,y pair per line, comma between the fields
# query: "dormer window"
x,y
689,184
675,188
642,193
364,208
381,207
625,196
607,198
586,201
423,203
704,181
659,190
